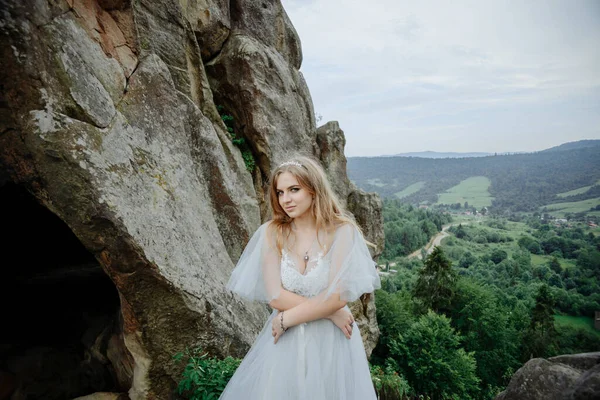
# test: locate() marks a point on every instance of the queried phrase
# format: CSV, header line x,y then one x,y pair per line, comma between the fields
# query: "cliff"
x,y
113,149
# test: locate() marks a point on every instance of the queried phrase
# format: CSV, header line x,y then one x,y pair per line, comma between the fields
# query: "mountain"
x,y
580,144
435,154
519,182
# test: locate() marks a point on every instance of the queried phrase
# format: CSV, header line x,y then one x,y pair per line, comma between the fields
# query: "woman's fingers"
x,y
348,331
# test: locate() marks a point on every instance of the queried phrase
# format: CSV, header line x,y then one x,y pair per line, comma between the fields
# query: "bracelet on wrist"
x,y
283,328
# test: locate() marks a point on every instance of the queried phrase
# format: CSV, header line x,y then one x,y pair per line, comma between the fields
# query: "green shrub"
x,y
241,143
204,377
388,384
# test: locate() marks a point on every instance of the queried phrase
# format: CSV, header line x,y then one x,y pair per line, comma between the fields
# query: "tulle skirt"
x,y
312,361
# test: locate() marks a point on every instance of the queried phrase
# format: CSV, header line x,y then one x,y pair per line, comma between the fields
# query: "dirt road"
x,y
435,241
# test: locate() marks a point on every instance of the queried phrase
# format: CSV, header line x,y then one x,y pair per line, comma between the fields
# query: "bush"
x,y
388,384
480,239
240,142
204,377
498,255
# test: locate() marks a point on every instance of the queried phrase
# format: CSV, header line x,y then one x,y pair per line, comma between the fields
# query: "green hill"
x,y
580,144
560,209
519,182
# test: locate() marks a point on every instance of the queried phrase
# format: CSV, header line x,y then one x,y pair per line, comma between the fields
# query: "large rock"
x,y
268,99
567,377
330,149
268,22
109,120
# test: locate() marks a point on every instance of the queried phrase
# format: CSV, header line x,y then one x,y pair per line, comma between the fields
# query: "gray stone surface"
x,y
211,22
110,120
565,377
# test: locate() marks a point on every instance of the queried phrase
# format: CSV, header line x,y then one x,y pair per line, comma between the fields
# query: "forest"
x,y
494,294
519,182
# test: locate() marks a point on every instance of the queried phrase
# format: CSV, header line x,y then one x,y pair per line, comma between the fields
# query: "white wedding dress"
x,y
314,360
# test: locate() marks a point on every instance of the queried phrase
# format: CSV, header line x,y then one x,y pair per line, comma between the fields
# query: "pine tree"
x,y
540,340
437,280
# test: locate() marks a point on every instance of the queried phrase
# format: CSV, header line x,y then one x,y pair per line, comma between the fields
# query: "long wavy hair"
x,y
325,208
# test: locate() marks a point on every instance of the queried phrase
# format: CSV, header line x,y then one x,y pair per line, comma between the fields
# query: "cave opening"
x,y
61,335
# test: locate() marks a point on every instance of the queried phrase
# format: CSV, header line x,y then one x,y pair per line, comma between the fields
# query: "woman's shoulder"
x,y
345,230
269,230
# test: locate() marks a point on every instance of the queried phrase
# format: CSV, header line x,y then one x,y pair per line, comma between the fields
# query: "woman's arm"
x,y
286,300
311,310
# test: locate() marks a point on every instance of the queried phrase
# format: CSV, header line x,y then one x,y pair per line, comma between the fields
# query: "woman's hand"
x,y
276,329
344,320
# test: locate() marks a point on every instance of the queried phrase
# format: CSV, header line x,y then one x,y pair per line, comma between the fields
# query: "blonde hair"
x,y
325,208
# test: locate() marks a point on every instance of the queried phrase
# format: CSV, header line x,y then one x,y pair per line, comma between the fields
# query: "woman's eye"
x,y
295,189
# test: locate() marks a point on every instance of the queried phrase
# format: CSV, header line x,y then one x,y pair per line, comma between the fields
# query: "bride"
x,y
306,263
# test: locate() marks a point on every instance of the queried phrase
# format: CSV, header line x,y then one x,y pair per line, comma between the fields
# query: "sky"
x,y
452,76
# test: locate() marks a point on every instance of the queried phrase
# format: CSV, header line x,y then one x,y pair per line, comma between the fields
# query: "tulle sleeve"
x,y
257,274
352,270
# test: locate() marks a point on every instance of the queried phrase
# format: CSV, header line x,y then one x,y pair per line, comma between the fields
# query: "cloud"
x,y
456,73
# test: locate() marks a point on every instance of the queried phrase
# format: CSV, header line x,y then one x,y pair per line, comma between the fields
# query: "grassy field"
x,y
460,218
376,182
560,209
586,323
415,187
576,191
537,259
474,190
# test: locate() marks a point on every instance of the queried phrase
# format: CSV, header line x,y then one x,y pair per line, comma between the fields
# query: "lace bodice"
x,y
313,281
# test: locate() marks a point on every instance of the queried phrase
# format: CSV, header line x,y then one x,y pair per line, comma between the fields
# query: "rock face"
x,y
567,377
110,122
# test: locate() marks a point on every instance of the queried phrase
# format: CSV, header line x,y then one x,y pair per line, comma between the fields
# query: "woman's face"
x,y
293,198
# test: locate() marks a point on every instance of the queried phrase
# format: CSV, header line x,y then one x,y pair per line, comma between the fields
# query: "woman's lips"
x,y
290,208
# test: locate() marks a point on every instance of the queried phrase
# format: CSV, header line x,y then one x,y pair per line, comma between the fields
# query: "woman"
x,y
306,263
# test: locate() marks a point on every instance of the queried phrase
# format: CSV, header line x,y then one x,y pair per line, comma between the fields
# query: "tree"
x,y
589,259
436,282
485,326
540,339
432,360
460,232
394,315
498,255
467,260
555,265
